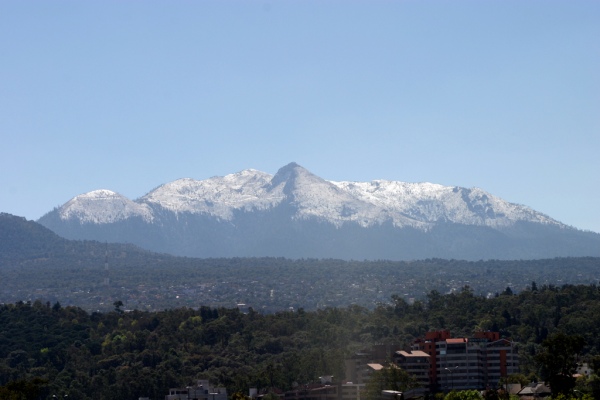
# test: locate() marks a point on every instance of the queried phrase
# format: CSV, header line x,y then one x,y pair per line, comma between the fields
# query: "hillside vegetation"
x,y
36,263
118,355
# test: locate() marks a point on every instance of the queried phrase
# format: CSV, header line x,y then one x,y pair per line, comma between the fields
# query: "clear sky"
x,y
127,95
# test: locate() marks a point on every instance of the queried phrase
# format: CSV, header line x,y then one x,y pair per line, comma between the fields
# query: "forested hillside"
x,y
119,355
35,263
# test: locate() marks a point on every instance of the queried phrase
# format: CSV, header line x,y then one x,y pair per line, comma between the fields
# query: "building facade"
x,y
416,363
326,390
467,363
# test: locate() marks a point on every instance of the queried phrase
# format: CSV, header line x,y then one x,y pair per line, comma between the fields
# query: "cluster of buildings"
x,y
326,389
439,362
201,391
477,362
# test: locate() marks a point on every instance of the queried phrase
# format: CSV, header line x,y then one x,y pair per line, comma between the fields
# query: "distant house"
x,y
535,390
325,390
201,391
583,369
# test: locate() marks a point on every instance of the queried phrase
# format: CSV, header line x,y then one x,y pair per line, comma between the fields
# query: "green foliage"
x,y
516,378
142,354
238,396
23,389
558,360
464,395
576,396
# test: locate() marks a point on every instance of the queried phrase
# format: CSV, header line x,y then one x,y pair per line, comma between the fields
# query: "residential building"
x,y
202,391
351,391
534,391
584,369
467,363
416,363
326,390
362,364
338,391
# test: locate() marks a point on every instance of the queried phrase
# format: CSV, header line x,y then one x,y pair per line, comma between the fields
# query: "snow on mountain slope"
x,y
417,205
218,196
429,202
103,207
317,197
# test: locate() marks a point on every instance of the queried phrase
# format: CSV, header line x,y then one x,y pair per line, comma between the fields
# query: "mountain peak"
x,y
99,194
284,173
103,206
288,175
418,205
218,196
291,165
296,213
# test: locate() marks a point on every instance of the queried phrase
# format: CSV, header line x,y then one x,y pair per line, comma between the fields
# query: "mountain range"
x,y
297,214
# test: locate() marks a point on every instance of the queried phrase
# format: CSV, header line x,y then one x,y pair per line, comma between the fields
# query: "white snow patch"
x,y
418,205
103,207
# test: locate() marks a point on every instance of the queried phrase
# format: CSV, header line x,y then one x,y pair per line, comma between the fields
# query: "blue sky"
x,y
128,95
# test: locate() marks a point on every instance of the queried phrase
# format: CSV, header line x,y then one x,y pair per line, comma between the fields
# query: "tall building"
x,y
416,363
466,363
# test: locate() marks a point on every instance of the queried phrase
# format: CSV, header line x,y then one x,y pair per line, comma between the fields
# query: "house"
x,y
201,391
326,390
535,390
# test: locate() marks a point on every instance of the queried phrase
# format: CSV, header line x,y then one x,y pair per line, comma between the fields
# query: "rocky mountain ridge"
x,y
364,203
295,213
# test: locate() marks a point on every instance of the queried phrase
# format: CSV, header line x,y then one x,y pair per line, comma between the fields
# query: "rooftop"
x,y
457,340
414,353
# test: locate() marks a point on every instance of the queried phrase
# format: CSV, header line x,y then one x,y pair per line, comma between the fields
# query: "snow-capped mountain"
x,y
104,207
217,196
252,212
364,203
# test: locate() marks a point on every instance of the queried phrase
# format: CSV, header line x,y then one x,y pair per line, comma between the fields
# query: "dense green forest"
x,y
165,321
125,355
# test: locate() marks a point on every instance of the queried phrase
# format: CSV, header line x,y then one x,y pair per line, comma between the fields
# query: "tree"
x,y
239,396
515,378
534,287
464,395
118,304
23,389
573,397
558,361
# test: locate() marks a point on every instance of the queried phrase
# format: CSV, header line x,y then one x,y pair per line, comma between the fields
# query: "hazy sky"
x,y
128,95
